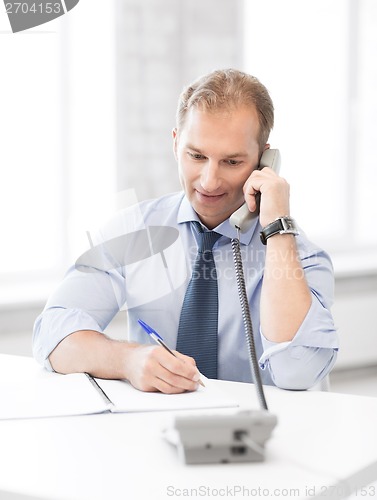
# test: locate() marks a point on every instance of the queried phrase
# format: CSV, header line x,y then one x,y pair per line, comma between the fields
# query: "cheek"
x,y
185,171
236,183
181,178
243,176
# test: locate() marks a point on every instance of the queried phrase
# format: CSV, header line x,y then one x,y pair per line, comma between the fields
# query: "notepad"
x,y
29,391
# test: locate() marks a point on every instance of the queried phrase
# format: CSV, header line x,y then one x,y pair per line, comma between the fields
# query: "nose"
x,y
210,176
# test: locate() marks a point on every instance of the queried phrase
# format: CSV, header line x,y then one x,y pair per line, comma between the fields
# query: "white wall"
x,y
355,314
162,45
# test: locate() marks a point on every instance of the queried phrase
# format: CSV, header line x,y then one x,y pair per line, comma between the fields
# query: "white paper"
x,y
128,399
28,391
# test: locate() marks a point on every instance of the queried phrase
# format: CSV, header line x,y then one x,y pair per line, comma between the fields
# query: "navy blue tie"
x,y
197,331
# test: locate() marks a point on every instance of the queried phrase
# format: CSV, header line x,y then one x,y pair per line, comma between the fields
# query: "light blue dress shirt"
x,y
151,280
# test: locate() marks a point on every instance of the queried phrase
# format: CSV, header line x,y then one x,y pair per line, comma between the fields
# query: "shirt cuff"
x,y
317,330
54,325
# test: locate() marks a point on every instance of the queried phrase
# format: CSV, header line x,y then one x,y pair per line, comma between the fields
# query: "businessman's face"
x,y
216,153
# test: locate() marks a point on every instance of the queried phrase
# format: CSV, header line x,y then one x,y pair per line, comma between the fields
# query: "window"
x,y
57,152
317,59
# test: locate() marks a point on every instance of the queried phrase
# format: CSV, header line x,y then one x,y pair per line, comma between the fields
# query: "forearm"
x,y
285,297
147,367
91,352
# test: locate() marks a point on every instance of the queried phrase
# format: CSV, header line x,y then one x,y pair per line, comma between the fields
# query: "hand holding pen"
x,y
159,340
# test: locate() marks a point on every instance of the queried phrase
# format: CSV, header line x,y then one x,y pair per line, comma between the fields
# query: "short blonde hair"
x,y
228,89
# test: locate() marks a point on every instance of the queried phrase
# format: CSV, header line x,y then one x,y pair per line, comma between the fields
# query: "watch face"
x,y
288,224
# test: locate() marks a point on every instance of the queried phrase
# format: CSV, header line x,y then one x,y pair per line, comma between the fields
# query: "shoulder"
x,y
159,211
169,202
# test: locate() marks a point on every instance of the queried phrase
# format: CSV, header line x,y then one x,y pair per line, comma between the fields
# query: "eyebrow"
x,y
233,155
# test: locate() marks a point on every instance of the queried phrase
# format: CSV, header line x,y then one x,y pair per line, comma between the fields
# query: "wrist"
x,y
281,225
127,351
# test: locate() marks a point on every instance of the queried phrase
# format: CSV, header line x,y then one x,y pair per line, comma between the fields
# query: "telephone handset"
x,y
242,218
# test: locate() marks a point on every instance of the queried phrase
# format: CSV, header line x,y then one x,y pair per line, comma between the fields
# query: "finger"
x,y
191,371
261,181
173,384
183,367
147,379
198,376
255,181
179,372
185,358
250,195
169,383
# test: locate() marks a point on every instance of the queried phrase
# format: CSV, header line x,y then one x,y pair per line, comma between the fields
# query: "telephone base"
x,y
205,439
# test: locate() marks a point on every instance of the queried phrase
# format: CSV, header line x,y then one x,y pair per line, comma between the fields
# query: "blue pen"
x,y
159,340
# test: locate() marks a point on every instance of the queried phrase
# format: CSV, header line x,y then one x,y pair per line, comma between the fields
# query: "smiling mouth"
x,y
209,197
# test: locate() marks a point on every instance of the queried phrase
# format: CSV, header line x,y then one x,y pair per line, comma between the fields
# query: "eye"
x,y
233,163
196,156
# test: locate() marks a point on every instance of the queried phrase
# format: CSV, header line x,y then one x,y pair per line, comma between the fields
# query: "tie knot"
x,y
206,239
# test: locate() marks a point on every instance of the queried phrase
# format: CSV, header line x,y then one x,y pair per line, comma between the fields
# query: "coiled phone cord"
x,y
247,321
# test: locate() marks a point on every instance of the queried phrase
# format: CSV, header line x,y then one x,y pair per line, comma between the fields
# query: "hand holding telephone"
x,y
242,218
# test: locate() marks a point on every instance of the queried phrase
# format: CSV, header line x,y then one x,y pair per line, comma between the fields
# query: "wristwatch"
x,y
281,225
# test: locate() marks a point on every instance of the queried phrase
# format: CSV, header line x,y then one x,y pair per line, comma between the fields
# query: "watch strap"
x,y
282,225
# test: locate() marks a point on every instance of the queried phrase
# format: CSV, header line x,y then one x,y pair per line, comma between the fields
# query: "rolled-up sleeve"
x,y
305,360
83,301
53,325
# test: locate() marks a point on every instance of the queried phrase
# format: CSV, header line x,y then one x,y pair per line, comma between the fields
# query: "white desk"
x,y
320,439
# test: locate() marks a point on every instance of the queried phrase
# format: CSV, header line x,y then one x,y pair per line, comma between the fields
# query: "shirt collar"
x,y
187,214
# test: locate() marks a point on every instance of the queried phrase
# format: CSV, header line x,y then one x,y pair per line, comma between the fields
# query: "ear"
x,y
175,142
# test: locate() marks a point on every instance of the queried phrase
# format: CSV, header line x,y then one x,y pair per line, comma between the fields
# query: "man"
x,y
223,124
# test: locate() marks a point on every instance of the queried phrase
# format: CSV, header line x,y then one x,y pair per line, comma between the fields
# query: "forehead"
x,y
236,127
